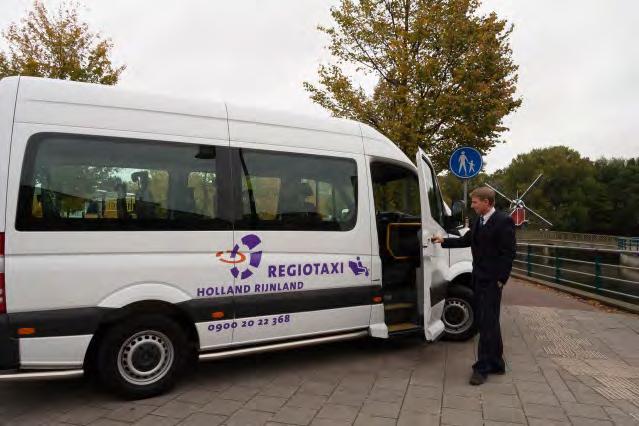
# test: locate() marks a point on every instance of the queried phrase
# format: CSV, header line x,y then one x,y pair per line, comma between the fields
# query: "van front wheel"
x,y
142,357
458,316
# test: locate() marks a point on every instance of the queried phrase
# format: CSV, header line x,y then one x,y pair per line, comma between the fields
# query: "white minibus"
x,y
139,233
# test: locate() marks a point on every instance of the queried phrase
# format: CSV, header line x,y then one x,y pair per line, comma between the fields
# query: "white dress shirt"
x,y
488,215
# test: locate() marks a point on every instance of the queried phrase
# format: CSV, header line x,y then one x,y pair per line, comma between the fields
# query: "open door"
x,y
434,260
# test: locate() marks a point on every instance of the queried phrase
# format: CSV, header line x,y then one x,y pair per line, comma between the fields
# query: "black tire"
x,y
459,317
142,356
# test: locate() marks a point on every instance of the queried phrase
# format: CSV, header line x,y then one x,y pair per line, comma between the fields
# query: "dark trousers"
x,y
487,306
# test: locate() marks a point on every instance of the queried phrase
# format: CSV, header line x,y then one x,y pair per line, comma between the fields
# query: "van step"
x,y
394,306
402,326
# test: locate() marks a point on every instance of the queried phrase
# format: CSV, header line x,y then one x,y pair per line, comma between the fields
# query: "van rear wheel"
x,y
459,317
142,356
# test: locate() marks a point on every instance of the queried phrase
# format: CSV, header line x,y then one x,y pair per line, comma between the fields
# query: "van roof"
x,y
68,103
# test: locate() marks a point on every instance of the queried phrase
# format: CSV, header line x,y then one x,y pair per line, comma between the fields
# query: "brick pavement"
x,y
577,367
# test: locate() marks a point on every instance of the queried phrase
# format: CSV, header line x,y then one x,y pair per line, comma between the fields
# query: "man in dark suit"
x,y
492,241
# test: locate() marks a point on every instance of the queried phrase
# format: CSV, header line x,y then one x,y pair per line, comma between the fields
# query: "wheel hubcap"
x,y
145,357
458,316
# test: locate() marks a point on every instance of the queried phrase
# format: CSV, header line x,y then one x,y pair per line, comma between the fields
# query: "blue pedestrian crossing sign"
x,y
465,162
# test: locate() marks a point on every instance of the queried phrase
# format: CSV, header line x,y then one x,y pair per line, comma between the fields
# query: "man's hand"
x,y
437,239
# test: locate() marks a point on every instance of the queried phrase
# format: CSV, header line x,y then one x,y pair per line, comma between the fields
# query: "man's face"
x,y
481,207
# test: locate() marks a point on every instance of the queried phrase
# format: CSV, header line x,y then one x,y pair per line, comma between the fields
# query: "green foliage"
x,y
445,76
575,193
57,45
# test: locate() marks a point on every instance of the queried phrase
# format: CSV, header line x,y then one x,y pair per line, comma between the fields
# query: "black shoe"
x,y
500,371
477,378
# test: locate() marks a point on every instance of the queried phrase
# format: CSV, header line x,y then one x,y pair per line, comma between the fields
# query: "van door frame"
x,y
433,262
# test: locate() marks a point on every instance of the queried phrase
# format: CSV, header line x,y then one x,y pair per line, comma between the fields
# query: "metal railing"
x,y
627,243
609,240
610,272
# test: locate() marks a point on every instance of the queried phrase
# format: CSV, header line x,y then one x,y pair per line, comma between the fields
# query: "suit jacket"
x,y
493,247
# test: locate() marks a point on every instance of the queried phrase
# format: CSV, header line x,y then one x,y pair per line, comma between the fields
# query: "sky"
x,y
578,59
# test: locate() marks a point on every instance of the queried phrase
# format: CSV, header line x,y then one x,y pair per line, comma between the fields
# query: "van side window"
x,y
286,191
86,183
395,190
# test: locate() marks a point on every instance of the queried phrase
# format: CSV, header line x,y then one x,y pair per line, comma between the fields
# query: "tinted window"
x,y
76,183
283,191
395,189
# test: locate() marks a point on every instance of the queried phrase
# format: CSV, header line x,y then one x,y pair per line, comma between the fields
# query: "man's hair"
x,y
484,193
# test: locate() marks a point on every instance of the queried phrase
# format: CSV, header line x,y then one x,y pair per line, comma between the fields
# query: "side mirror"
x,y
456,219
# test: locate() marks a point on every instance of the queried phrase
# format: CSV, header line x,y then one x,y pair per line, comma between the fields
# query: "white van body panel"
x,y
378,145
459,267
8,93
53,352
93,106
135,293
292,130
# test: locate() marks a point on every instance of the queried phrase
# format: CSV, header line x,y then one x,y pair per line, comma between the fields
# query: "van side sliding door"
x,y
302,240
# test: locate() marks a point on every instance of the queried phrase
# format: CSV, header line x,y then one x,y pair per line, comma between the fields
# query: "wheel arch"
x,y
142,307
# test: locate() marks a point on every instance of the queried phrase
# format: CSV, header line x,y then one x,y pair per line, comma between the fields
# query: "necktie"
x,y
481,221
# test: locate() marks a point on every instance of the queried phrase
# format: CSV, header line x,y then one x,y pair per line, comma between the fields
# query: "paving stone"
x,y
385,395
203,419
462,402
346,397
381,409
392,383
83,415
239,393
368,420
249,418
410,418
454,416
306,401
501,400
338,412
546,398
317,388
280,391
547,412
176,409
532,387
424,391
583,421
585,410
152,420
295,415
225,407
504,414
130,412
197,396
108,422
422,405
505,388
330,422
265,403
546,422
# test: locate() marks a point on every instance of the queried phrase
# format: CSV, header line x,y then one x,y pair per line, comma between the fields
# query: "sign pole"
x,y
466,222
466,192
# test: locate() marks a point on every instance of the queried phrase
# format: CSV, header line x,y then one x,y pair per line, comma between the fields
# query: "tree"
x,y
57,45
566,195
444,73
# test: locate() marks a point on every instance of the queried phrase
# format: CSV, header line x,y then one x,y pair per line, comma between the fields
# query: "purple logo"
x,y
357,267
237,257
